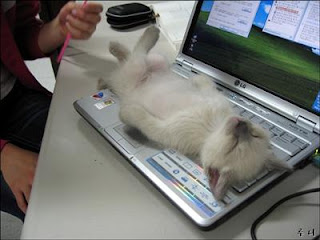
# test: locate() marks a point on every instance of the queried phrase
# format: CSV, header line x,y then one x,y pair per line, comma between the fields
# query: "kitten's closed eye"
x,y
255,134
233,145
258,132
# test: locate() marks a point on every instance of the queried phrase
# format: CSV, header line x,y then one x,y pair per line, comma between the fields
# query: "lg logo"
x,y
240,84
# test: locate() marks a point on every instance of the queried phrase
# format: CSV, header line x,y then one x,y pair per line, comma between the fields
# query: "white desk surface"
x,y
83,188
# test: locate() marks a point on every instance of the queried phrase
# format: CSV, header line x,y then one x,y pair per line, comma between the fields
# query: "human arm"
x,y
3,143
18,168
80,21
36,39
26,28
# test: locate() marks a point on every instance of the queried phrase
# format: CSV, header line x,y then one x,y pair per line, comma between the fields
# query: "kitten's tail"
x,y
102,84
147,41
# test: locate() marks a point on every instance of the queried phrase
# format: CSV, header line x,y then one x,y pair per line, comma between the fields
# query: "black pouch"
x,y
129,15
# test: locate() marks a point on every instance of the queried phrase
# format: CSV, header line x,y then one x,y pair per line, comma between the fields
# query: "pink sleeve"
x,y
3,143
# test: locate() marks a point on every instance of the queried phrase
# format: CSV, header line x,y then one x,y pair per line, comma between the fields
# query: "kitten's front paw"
x,y
203,82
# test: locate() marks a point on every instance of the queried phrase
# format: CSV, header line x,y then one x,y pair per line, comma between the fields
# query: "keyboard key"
x,y
238,110
289,148
229,197
256,120
196,173
301,144
289,137
246,114
251,182
173,154
277,131
271,134
262,110
262,174
240,187
172,168
281,155
170,151
215,205
189,166
266,125
246,102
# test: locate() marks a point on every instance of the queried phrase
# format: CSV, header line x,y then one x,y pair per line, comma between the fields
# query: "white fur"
x,y
191,116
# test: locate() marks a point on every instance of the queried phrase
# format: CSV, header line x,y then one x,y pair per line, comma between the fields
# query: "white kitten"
x,y
191,116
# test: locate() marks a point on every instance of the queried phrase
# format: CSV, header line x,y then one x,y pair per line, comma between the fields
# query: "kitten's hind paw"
x,y
153,30
147,40
153,33
119,51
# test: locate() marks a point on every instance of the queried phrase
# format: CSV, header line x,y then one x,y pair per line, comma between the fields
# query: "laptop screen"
x,y
273,45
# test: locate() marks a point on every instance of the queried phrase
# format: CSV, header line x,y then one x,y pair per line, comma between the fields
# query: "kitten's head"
x,y
238,151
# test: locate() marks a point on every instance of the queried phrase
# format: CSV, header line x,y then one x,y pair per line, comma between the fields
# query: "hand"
x,y
80,21
18,168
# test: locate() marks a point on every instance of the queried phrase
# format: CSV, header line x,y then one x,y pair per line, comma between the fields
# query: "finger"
x,y
27,193
66,10
21,201
76,33
93,8
87,17
81,25
81,12
30,174
74,8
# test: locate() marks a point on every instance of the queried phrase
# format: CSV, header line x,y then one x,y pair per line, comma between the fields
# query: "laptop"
x,y
264,57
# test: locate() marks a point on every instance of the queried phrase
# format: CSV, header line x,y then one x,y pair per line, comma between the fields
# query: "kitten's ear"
x,y
274,163
219,182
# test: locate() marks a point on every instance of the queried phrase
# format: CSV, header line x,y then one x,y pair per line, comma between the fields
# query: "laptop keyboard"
x,y
185,173
280,139
284,144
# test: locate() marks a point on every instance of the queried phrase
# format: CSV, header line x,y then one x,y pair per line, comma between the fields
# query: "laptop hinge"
x,y
305,123
187,65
